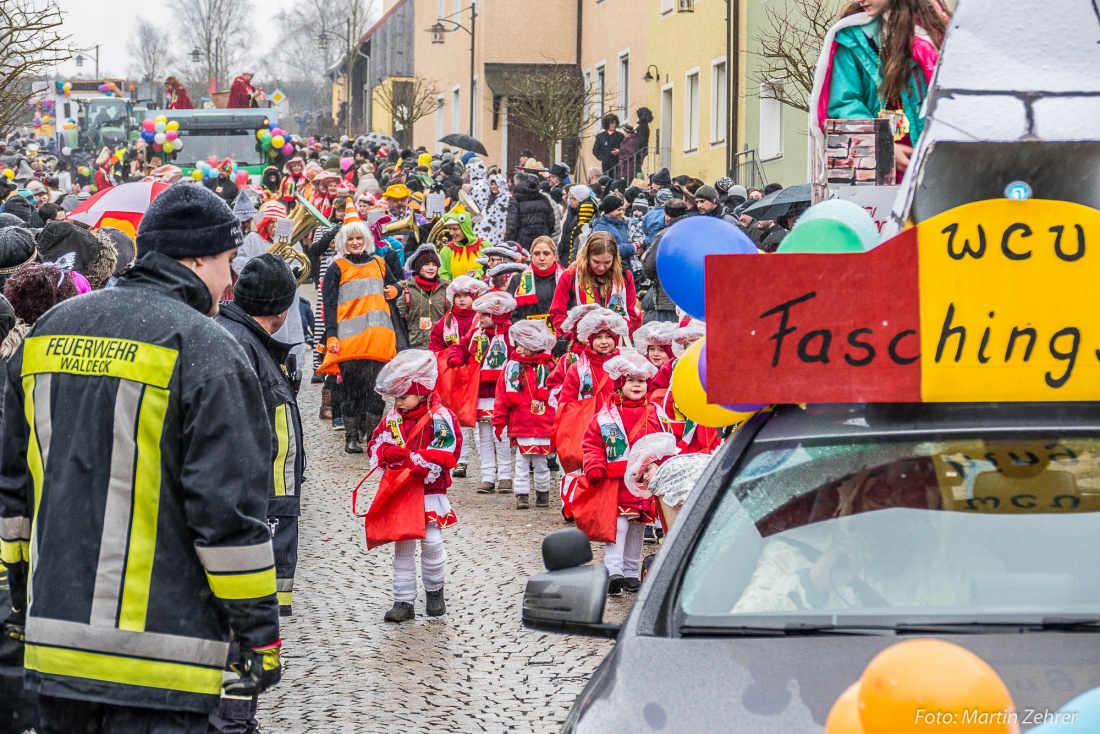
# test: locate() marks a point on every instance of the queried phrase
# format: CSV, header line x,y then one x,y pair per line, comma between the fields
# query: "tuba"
x,y
306,218
465,205
405,226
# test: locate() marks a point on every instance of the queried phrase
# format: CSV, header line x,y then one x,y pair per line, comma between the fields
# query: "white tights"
x,y
467,440
524,463
495,456
624,556
433,564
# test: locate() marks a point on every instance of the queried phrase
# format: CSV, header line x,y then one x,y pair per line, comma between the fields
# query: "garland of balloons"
x,y
829,227
211,167
44,111
65,88
274,140
163,134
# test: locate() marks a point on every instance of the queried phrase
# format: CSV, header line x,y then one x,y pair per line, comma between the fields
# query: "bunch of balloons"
x,y
69,125
832,226
65,88
108,89
84,171
211,167
274,140
918,686
163,134
43,113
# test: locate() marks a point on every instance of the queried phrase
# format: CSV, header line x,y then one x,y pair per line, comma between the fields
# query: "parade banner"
x,y
989,302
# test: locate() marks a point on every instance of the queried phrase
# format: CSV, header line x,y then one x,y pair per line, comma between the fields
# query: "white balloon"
x,y
66,151
159,138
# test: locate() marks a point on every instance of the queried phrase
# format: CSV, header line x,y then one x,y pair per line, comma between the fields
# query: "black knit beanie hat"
x,y
265,287
188,220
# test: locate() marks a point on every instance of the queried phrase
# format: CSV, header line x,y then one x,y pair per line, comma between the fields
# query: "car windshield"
x,y
240,146
964,529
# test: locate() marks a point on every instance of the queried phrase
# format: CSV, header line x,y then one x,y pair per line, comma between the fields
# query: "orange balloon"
x,y
844,718
933,686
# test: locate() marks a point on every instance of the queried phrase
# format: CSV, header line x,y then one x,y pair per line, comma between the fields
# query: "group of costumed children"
x,y
605,400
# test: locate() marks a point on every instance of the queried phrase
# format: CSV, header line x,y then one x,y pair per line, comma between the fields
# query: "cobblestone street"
x,y
474,670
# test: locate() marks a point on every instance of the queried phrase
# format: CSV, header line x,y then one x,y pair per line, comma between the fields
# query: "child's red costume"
x,y
523,403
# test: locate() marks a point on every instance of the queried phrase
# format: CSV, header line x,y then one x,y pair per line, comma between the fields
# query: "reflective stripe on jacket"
x,y
363,323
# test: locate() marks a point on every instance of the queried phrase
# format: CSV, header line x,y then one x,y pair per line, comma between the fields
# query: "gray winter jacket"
x,y
662,302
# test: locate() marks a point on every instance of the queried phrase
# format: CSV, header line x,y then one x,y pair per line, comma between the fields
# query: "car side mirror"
x,y
569,598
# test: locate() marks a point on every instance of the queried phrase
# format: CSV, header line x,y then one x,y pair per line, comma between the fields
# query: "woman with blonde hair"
x,y
597,277
359,336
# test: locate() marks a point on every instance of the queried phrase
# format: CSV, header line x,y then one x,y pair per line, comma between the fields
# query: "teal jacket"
x,y
857,76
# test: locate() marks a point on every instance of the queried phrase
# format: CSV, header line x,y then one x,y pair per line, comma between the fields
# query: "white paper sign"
x,y
284,229
434,205
373,215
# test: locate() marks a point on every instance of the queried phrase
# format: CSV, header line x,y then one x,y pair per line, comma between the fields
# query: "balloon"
x,y
92,189
260,134
691,398
160,127
60,84
148,137
173,125
45,118
845,212
821,236
171,135
32,102
1082,714
737,407
242,178
844,717
157,147
933,676
168,146
178,142
68,93
680,259
148,126
277,141
66,151
67,87
162,118
212,160
159,138
288,149
196,174
9,174
266,138
37,121
276,131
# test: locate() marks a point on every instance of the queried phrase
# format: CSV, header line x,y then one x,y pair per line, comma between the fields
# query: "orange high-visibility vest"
x,y
363,324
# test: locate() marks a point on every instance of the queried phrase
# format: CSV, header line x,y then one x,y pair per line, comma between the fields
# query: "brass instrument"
x,y
465,205
284,249
306,218
405,226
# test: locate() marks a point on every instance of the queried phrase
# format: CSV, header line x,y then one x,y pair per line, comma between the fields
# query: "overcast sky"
x,y
111,23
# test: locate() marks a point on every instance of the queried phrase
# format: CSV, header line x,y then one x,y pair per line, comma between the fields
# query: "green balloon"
x,y
266,138
821,236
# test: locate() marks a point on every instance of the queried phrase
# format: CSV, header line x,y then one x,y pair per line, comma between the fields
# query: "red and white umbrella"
x,y
121,207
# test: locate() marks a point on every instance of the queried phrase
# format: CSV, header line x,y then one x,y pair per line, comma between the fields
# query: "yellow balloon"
x,y
691,398
260,134
844,718
161,118
172,125
278,141
196,174
10,174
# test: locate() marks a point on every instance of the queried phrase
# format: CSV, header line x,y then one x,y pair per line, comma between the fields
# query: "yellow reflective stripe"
x,y
284,598
146,505
98,356
15,551
124,670
34,452
281,437
242,585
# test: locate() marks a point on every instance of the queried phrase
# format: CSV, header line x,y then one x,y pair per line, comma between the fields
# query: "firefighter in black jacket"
x,y
134,469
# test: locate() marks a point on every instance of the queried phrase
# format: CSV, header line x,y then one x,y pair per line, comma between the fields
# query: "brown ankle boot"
x,y
326,404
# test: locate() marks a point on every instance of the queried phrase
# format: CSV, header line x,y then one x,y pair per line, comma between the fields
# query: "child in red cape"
x,y
522,407
622,421
488,344
417,443
600,329
691,437
450,331
568,334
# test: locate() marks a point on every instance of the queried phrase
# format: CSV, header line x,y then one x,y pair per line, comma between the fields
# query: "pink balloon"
x,y
171,135
288,149
212,160
276,131
242,178
148,126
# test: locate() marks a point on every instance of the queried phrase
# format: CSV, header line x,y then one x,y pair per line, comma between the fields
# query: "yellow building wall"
x,y
679,44
381,117
610,29
337,96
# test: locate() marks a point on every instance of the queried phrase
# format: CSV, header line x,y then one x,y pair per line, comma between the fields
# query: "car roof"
x,y
811,422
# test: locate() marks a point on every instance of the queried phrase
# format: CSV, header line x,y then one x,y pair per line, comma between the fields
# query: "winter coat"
x,y
602,147
71,247
600,446
522,383
545,285
662,301
582,377
226,188
624,303
460,260
494,216
451,330
652,223
491,349
172,419
436,447
421,310
572,227
530,215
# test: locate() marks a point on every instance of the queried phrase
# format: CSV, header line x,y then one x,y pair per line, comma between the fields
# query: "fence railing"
x,y
747,170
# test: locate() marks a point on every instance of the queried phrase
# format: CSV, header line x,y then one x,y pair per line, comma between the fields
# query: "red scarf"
x,y
428,286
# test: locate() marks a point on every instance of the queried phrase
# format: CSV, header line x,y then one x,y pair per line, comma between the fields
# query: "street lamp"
x,y
650,77
195,55
322,41
80,58
685,6
439,31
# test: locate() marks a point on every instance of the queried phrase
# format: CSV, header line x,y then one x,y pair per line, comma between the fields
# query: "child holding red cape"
x,y
605,508
417,444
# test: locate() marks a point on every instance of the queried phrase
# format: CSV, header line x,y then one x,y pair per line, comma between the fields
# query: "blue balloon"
x,y
147,136
1079,716
681,259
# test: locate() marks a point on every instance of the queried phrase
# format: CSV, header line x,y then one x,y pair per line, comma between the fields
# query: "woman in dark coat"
x,y
530,214
608,142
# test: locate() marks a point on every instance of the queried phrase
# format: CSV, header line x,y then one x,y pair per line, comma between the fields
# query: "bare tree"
x,y
408,100
149,52
30,43
221,31
789,43
554,103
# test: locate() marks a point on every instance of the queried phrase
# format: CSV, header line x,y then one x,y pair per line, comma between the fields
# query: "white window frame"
x,y
440,122
774,103
667,127
456,108
587,73
600,80
624,85
691,117
719,107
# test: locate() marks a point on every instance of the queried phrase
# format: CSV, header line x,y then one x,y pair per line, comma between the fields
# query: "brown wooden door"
x,y
519,139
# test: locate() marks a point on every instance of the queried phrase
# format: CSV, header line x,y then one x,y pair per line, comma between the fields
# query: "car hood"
x,y
750,685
